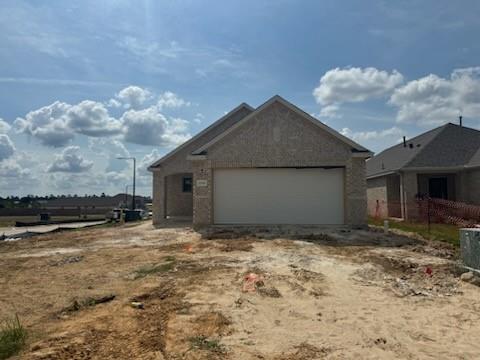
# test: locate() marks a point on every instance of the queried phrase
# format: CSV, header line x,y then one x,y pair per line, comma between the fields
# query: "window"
x,y
438,187
187,184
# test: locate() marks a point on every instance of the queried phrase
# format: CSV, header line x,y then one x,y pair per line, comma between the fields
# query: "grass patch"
x,y
203,343
438,232
12,337
146,270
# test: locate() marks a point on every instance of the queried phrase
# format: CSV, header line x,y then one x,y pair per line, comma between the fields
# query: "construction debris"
x,y
137,305
251,281
88,302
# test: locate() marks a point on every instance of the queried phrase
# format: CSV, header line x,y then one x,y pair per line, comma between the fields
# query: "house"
x,y
441,163
271,165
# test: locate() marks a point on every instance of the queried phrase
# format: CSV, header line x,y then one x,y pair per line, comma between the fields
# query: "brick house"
x,y
440,163
271,165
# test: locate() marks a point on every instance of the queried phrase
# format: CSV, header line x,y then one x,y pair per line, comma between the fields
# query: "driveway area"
x,y
135,292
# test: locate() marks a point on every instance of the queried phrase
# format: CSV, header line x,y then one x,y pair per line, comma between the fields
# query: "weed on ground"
x,y
155,268
203,343
12,337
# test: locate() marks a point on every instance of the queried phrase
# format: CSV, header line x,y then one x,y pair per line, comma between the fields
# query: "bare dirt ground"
x,y
345,295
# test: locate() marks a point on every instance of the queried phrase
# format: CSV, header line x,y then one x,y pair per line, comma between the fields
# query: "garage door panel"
x,y
278,196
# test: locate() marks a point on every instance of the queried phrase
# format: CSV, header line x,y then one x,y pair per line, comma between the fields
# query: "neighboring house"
x,y
271,165
441,163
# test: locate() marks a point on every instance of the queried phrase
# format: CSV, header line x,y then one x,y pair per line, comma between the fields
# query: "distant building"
x,y
106,203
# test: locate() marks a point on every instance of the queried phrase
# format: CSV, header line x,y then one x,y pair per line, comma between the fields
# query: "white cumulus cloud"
x,y
4,126
355,85
91,118
47,124
150,127
133,96
393,132
112,149
433,100
57,124
170,100
70,161
7,148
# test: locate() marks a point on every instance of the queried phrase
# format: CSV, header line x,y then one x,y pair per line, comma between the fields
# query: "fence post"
x,y
428,214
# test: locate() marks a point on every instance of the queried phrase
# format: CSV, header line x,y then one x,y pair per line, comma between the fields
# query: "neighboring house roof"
x,y
355,147
447,146
207,134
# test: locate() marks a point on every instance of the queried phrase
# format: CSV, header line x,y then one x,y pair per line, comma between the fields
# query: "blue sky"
x,y
84,82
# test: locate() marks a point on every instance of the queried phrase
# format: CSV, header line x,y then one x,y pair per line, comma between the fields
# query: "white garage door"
x,y
278,196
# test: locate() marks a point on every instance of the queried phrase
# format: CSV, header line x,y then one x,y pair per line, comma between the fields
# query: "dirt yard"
x,y
135,292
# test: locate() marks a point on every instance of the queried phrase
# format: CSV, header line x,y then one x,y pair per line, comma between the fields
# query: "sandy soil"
x,y
345,295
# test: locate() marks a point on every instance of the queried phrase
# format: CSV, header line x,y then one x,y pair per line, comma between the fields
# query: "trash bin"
x,y
132,215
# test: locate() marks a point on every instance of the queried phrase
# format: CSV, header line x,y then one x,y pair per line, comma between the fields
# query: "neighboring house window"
x,y
187,184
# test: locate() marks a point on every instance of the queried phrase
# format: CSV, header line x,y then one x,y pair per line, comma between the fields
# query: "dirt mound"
x,y
407,278
142,333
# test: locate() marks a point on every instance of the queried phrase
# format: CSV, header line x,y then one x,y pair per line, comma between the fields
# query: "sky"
x,y
83,83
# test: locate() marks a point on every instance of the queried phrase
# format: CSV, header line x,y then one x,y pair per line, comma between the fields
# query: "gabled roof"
x,y
447,146
241,109
354,146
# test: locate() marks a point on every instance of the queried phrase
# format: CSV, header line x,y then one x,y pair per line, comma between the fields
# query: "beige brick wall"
x,y
355,194
179,203
158,205
278,137
202,195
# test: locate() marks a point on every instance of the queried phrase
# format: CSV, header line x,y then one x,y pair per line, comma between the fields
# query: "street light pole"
x,y
134,170
134,174
126,195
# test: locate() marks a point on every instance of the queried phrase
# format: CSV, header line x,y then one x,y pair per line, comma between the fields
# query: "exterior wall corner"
x,y
202,194
355,192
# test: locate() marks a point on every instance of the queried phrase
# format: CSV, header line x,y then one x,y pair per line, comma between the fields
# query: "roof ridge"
x,y
292,107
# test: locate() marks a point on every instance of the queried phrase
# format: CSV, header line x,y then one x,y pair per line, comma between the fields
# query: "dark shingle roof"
x,y
449,145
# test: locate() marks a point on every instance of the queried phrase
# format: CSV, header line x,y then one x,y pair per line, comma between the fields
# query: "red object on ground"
x,y
250,281
428,271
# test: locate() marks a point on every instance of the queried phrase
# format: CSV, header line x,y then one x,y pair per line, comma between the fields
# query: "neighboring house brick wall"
x,y
409,191
393,196
474,187
377,194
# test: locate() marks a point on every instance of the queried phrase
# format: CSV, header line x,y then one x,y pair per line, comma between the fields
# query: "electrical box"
x,y
470,247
